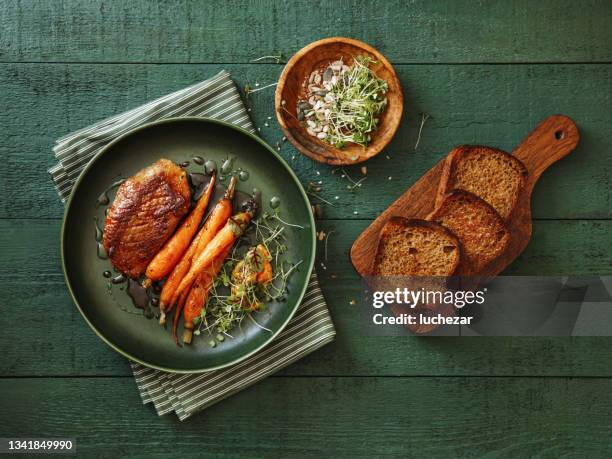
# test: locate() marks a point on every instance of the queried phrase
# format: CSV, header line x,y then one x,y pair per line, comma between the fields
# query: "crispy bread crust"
x,y
457,154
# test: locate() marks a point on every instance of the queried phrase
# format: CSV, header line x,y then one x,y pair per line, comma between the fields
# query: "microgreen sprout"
x,y
313,189
259,325
359,99
275,57
248,89
350,107
310,193
353,185
424,118
232,298
293,225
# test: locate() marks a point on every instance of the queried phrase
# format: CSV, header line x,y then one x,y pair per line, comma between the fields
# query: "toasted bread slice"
x,y
477,225
489,173
411,247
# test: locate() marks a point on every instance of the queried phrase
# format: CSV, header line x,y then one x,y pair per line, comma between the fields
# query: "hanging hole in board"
x,y
559,135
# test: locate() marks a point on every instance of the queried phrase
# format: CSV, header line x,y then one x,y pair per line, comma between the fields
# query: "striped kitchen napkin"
x,y
309,329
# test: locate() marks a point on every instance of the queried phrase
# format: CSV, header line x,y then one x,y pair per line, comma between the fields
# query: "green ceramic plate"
x,y
112,314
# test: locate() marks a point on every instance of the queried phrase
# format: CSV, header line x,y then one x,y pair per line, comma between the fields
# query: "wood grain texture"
x,y
58,342
406,32
290,415
64,345
318,417
558,248
551,140
290,91
471,104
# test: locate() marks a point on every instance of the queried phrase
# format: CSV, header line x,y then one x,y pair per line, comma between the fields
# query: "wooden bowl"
x,y
290,89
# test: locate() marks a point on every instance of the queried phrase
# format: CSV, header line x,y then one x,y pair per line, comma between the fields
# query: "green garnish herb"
x,y
344,103
231,300
275,57
424,118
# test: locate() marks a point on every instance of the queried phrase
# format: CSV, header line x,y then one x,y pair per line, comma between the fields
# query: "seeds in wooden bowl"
x,y
343,103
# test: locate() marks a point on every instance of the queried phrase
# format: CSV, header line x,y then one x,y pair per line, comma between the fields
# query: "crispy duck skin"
x,y
146,210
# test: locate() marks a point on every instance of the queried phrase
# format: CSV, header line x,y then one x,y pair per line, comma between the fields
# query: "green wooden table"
x,y
485,72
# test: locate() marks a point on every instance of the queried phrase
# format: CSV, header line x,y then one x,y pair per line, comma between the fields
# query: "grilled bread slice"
x,y
477,225
489,173
411,247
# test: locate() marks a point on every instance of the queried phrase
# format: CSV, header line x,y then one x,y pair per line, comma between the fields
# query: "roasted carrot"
x,y
215,221
174,249
213,225
179,307
175,278
195,294
198,295
233,229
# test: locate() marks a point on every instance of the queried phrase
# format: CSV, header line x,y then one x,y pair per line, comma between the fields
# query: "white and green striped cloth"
x,y
309,329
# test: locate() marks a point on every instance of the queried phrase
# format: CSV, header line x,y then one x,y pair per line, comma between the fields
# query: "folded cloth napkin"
x,y
309,329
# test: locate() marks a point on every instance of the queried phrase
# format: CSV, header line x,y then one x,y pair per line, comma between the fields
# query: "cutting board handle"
x,y
552,139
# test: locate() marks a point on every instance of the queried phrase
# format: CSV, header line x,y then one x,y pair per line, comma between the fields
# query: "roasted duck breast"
x,y
144,214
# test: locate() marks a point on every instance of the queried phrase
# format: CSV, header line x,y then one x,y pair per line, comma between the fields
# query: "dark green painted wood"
x,y
238,31
52,339
54,332
329,417
31,248
494,105
297,413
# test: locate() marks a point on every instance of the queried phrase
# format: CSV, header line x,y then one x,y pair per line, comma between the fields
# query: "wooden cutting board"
x,y
553,139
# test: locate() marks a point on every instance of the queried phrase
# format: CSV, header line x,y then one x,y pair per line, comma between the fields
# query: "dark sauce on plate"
x,y
103,199
210,166
243,176
227,166
198,182
141,298
100,250
274,202
118,279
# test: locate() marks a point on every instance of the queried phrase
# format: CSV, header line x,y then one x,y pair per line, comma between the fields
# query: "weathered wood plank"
x,y
51,329
193,31
31,248
488,104
333,417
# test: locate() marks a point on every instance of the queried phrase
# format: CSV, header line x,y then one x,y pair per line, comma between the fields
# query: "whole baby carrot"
x,y
215,221
198,295
179,307
171,253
